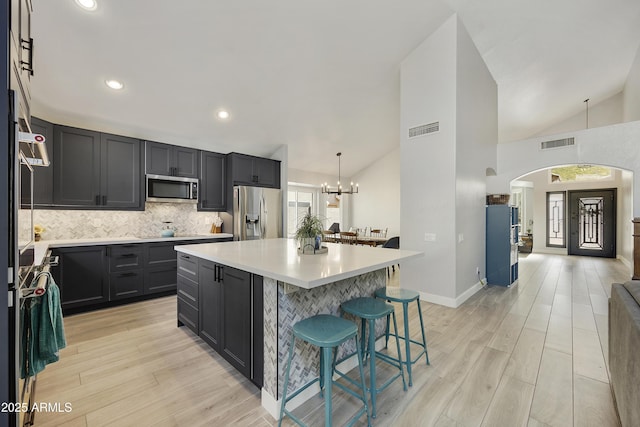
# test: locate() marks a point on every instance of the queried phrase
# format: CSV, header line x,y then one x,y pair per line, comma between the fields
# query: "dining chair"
x,y
348,237
329,236
392,243
378,232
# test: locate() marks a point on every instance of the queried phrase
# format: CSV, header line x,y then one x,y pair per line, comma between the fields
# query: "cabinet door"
x,y
236,318
268,172
77,167
126,284
210,296
80,275
42,176
242,169
158,158
185,162
212,182
120,172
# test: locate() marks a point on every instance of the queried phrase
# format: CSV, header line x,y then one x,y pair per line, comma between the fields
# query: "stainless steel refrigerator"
x,y
257,213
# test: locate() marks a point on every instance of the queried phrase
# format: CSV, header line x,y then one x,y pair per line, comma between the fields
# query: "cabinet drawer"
x,y
188,315
160,254
188,290
125,257
126,284
188,267
159,280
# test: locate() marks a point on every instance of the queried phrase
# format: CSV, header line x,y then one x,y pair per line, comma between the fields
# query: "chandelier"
x,y
339,190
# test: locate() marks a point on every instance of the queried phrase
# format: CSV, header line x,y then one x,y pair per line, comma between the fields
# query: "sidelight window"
x,y
556,226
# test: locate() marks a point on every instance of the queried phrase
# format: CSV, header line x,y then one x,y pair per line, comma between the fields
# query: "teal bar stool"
x,y
406,296
327,332
369,310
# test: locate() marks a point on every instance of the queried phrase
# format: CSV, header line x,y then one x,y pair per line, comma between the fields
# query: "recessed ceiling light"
x,y
87,4
223,114
114,84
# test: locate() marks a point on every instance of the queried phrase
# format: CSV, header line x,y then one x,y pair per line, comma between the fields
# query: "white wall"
x,y
378,203
427,177
625,217
604,113
443,174
476,137
631,94
616,146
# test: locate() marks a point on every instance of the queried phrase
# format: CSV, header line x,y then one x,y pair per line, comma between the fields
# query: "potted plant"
x,y
309,227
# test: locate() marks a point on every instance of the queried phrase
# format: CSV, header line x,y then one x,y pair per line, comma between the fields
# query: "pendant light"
x,y
339,190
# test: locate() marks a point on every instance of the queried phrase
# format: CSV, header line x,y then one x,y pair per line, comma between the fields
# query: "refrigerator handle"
x,y
263,217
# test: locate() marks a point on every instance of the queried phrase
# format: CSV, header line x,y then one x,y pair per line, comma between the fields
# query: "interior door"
x,y
592,223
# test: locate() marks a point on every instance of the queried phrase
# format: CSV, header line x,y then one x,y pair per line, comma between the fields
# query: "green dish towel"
x,y
42,329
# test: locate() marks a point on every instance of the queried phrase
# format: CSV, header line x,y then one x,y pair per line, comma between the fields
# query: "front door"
x,y
592,223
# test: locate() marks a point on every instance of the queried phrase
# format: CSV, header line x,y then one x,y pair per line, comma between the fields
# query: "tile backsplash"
x,y
82,224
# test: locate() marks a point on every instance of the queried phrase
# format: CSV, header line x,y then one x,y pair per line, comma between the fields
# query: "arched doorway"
x,y
576,210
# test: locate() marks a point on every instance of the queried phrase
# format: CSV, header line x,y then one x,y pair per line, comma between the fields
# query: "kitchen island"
x,y
293,287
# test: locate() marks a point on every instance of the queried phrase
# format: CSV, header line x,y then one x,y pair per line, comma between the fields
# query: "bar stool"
x,y
369,310
327,332
405,296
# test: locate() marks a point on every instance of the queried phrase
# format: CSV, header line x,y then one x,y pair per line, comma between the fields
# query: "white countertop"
x,y
41,247
279,259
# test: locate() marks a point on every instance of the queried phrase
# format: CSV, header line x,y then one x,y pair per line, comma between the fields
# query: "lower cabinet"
x,y
229,308
91,276
210,299
80,274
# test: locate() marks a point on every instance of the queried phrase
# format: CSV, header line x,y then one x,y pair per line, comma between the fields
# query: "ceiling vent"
x,y
557,143
424,129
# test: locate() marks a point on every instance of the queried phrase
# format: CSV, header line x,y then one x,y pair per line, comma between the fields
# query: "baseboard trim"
x,y
625,261
452,302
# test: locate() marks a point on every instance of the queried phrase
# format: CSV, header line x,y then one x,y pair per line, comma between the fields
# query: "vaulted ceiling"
x,y
321,77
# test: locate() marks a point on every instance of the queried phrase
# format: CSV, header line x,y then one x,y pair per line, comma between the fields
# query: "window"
x,y
556,226
300,201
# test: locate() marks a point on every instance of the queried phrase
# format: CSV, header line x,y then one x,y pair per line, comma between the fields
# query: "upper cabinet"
x,y
170,160
93,170
212,182
255,171
42,176
21,52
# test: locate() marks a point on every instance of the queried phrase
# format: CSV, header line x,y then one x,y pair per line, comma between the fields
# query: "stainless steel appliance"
x,y
173,189
257,213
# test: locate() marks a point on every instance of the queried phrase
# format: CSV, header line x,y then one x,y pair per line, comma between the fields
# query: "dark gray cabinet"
x,y
212,182
125,271
188,292
160,267
42,176
21,56
210,298
224,306
170,160
81,276
235,345
96,171
502,245
255,171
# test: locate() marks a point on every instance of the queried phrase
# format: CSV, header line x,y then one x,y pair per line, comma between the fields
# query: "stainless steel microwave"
x,y
173,189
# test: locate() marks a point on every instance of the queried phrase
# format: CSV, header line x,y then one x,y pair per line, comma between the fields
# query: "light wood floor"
x,y
534,354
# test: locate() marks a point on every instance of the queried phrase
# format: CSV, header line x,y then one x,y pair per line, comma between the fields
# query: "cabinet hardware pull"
x,y
128,275
97,199
27,65
104,200
127,255
184,256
